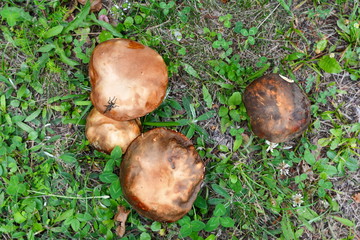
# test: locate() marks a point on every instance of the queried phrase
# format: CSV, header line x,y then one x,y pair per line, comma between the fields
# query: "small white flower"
x,y
356,25
332,55
271,147
284,168
324,203
297,200
177,34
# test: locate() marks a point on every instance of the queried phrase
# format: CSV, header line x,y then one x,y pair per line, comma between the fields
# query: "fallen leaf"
x,y
121,217
96,5
356,197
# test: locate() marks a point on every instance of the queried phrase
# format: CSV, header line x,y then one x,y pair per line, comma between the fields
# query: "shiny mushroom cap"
x,y
161,174
128,79
105,133
278,109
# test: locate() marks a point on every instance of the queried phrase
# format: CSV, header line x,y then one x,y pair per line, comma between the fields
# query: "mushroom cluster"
x,y
128,80
278,109
161,172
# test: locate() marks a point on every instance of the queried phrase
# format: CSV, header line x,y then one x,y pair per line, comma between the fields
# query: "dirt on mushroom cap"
x,y
127,76
161,174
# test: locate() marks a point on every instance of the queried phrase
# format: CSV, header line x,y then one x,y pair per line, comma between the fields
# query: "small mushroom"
x,y
105,133
278,109
128,79
161,174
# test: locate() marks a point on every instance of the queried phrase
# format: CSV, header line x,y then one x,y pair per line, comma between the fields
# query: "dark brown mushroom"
x,y
278,109
128,79
161,174
105,133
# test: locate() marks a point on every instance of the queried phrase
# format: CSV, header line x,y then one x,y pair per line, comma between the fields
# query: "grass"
x,y
54,185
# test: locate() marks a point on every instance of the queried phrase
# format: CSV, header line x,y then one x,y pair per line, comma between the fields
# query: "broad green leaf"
x,y
237,143
220,210
223,111
185,230
329,64
12,15
206,116
344,221
221,191
105,35
145,236
253,31
321,45
235,115
286,228
238,27
155,226
234,99
309,157
33,115
54,31
328,169
65,215
19,218
115,189
294,56
84,217
307,213
108,177
212,224
190,70
227,222
197,225
75,224
68,158
251,40
211,237
46,48
116,153
244,32
128,22
25,127
207,97
200,202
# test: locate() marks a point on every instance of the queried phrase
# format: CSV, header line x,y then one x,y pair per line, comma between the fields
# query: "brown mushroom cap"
x,y
105,133
278,109
128,79
161,174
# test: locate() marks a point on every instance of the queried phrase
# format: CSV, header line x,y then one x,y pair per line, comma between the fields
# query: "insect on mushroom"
x,y
111,104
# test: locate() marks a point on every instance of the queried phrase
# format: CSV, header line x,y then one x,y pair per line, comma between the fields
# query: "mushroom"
x,y
105,133
128,79
161,174
278,109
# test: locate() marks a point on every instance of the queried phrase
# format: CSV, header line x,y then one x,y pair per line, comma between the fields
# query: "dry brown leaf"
x,y
96,5
356,197
121,217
